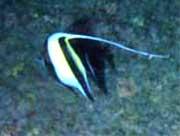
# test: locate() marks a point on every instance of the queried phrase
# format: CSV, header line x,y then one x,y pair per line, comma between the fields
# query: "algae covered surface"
x,y
144,98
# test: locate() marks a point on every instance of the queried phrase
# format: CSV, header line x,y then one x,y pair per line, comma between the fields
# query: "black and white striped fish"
x,y
71,65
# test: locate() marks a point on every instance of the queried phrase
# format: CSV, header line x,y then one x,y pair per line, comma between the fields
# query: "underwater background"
x,y
144,98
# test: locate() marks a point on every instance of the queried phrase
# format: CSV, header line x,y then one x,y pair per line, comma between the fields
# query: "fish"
x,y
69,67
76,57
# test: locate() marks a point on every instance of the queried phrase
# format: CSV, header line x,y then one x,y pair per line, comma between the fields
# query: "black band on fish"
x,y
74,67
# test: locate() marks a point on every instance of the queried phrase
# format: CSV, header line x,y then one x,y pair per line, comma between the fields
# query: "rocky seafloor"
x,y
144,97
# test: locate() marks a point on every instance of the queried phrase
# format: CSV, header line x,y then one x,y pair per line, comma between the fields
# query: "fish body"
x,y
66,64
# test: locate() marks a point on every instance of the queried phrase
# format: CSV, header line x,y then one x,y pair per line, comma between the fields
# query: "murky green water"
x,y
144,94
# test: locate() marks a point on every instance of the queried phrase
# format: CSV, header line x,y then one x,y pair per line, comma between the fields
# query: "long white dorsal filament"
x,y
78,36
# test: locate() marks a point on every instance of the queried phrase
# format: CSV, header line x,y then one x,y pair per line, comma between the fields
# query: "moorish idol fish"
x,y
72,64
